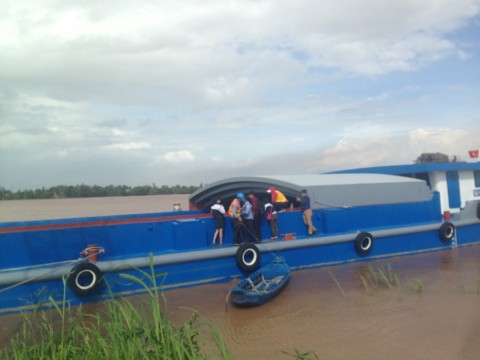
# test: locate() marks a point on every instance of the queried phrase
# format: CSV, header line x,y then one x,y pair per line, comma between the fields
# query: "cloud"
x,y
179,90
443,139
130,146
179,156
215,53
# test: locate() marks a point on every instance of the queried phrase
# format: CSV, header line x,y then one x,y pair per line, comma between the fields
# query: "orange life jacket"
x,y
238,210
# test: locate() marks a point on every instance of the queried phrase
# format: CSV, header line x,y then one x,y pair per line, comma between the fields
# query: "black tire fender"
x,y
364,243
84,279
446,231
248,257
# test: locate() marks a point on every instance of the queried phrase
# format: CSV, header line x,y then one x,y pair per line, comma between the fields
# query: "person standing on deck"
x,y
235,213
278,199
247,218
218,212
271,214
304,200
257,210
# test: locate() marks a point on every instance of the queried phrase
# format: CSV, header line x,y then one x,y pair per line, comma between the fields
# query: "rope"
x,y
274,281
267,283
263,245
251,283
41,275
83,252
249,232
66,262
35,266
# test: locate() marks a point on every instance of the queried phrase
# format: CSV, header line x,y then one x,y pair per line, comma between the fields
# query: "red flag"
x,y
473,154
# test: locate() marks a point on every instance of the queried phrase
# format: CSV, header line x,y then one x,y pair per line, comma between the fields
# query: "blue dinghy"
x,y
263,285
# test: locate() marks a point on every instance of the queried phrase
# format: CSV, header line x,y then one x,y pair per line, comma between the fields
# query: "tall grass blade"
x,y
338,284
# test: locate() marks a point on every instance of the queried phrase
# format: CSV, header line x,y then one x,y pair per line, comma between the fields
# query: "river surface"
x,y
428,309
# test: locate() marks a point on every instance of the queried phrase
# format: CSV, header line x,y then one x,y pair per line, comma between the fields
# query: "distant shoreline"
x,y
89,191
65,208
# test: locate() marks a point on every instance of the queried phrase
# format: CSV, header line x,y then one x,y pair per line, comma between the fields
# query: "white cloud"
x,y
129,146
246,85
441,139
393,146
179,156
228,51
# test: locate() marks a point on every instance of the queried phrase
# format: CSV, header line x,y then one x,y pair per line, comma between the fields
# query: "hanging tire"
x,y
364,243
446,232
248,257
84,279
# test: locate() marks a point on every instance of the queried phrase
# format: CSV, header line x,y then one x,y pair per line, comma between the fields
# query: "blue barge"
x,y
360,215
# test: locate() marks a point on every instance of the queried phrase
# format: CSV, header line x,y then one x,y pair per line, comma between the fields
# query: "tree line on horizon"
x,y
85,191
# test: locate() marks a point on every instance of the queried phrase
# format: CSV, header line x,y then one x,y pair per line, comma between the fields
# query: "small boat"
x,y
263,285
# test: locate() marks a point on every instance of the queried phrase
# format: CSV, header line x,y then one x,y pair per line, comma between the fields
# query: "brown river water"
x,y
429,309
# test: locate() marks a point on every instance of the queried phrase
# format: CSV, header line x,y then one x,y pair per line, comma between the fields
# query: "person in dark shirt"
x,y
218,213
247,219
257,210
304,200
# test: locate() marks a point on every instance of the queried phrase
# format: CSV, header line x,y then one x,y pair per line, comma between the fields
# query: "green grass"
x,y
379,277
302,355
121,330
418,286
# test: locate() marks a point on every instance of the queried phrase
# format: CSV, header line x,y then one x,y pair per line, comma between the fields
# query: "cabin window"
x,y
476,175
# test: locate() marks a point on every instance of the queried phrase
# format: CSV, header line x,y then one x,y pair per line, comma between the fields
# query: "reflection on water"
x,y
433,312
446,260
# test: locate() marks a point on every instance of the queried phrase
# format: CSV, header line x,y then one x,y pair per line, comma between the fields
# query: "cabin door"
x,y
453,185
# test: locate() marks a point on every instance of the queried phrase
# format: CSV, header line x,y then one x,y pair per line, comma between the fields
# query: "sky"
x,y
190,92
